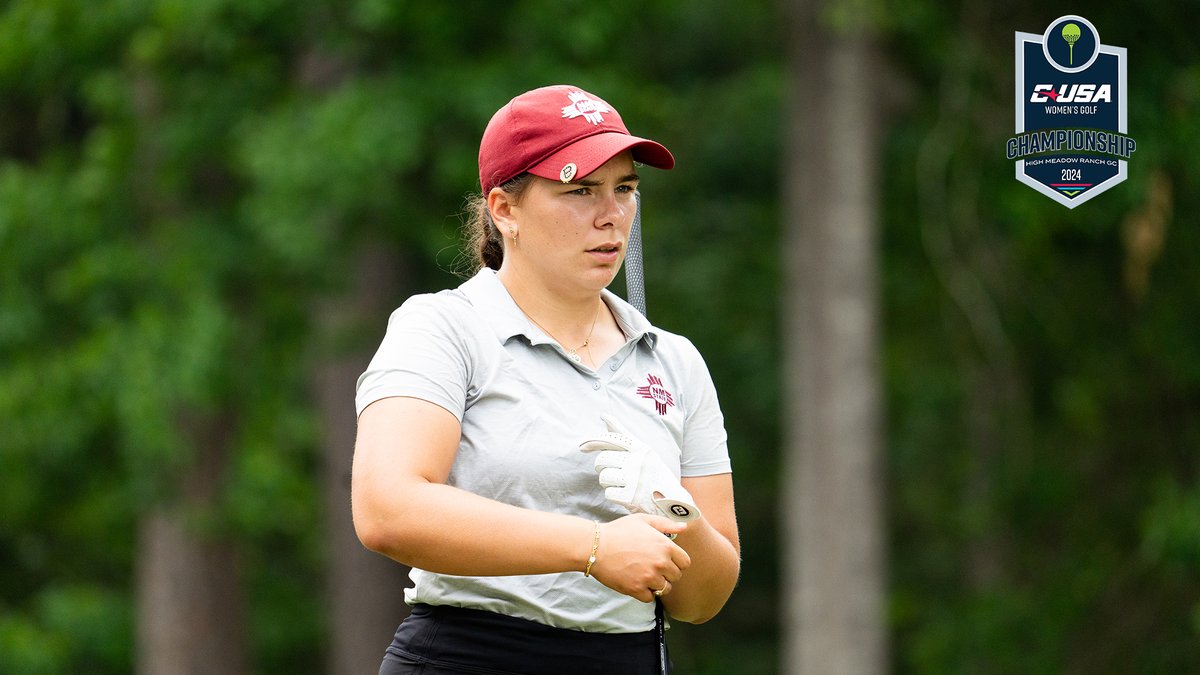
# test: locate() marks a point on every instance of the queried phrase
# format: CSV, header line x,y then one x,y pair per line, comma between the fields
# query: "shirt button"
x,y
595,384
612,366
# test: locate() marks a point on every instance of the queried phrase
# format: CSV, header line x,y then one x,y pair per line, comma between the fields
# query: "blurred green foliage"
x,y
181,183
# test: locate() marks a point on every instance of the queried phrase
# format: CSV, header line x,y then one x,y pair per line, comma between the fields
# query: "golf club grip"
x,y
635,279
635,291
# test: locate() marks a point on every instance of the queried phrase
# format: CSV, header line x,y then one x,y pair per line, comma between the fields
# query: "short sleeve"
x,y
705,441
424,354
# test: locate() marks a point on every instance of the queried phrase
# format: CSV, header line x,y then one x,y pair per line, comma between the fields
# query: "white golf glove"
x,y
632,473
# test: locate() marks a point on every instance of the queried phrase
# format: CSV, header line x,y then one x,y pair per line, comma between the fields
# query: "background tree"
x,y
832,506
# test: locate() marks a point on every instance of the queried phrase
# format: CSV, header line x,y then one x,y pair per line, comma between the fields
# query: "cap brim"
x,y
591,152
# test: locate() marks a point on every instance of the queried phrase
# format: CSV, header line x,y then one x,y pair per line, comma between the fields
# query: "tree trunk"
x,y
834,543
190,615
365,590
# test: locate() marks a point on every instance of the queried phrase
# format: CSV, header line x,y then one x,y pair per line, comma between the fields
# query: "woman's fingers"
x,y
635,558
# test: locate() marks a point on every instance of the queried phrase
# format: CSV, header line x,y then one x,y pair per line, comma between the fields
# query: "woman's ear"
x,y
500,204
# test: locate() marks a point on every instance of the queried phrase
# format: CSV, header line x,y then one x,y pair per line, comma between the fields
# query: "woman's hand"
x,y
635,476
635,557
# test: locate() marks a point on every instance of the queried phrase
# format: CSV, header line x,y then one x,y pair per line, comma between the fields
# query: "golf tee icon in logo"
x,y
1070,33
1071,112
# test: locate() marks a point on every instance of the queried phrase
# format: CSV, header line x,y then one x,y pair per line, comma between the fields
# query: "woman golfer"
x,y
526,440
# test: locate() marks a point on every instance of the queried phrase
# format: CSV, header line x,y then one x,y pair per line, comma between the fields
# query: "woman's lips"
x,y
606,252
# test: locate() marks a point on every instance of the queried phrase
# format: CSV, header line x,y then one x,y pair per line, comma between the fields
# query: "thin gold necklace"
x,y
572,354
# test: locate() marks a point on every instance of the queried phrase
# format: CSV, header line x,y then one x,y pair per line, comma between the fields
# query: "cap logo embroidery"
x,y
568,172
655,391
585,106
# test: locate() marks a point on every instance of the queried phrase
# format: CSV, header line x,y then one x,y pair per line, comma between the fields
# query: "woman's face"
x,y
572,236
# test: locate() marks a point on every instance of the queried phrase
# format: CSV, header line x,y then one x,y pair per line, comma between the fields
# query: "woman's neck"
x,y
566,317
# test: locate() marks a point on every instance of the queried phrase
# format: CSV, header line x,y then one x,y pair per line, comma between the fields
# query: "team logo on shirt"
x,y
655,391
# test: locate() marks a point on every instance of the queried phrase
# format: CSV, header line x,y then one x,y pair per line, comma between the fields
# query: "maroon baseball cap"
x,y
561,133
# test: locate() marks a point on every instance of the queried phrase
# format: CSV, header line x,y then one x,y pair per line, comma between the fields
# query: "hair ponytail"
x,y
484,243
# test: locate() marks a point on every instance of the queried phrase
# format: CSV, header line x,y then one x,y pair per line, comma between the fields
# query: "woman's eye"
x,y
579,191
625,188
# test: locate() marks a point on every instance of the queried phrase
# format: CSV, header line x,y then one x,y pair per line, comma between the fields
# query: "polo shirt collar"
x,y
492,300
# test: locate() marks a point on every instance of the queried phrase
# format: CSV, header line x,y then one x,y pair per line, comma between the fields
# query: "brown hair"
x,y
485,244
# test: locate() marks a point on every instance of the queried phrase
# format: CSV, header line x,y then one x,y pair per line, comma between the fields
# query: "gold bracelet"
x,y
587,571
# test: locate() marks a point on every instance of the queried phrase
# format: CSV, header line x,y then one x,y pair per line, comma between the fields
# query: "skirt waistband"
x,y
488,642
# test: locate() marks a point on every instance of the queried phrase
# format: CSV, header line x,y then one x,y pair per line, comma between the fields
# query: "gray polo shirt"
x,y
525,408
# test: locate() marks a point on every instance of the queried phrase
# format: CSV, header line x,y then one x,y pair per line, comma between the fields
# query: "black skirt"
x,y
440,640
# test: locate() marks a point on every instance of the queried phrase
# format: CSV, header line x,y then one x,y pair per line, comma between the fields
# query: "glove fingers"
x,y
614,426
608,441
613,477
594,444
624,497
611,459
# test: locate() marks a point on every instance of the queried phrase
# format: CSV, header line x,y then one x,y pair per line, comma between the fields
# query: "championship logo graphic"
x,y
1071,143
